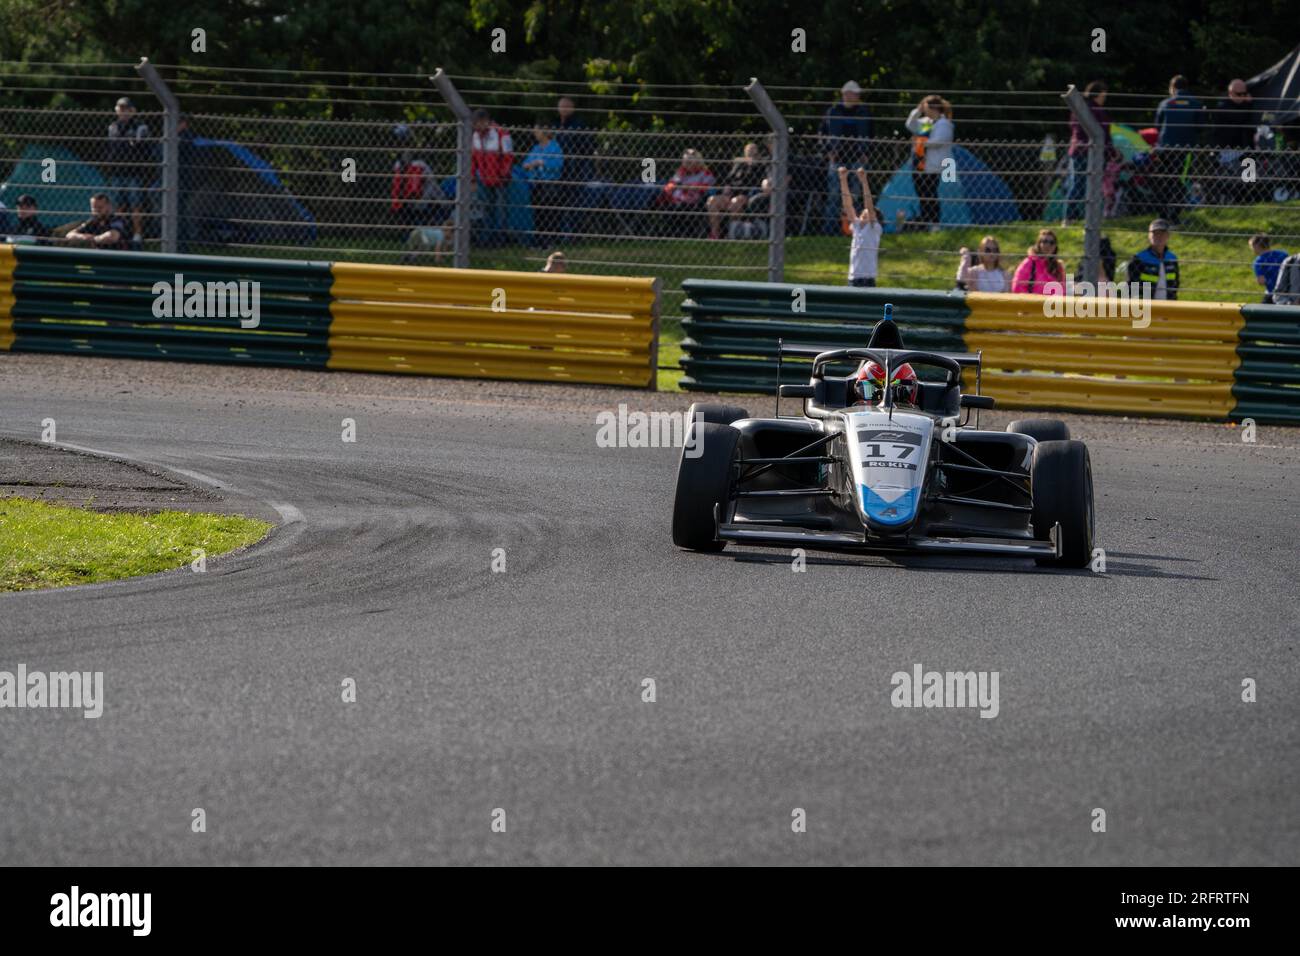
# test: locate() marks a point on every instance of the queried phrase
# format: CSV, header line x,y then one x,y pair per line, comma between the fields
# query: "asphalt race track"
x,y
522,690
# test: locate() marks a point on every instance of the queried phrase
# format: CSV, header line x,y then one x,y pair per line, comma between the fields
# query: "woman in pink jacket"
x,y
1041,272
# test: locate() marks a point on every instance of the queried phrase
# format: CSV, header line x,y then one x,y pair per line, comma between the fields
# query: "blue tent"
x,y
219,168
65,200
271,215
977,196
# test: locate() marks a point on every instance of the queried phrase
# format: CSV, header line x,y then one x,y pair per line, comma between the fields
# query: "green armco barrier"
x,y
136,305
98,302
93,261
184,352
1267,382
733,328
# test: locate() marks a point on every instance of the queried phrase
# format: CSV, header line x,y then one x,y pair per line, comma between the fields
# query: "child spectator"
x,y
865,248
983,273
432,239
1156,264
1267,262
932,134
1040,272
743,183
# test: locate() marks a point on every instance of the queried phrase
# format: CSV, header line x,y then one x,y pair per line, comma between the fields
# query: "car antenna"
x,y
779,342
889,392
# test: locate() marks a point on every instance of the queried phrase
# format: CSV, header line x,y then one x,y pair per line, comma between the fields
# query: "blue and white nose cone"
x,y
888,458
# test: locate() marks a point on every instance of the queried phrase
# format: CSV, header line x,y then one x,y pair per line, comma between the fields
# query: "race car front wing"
x,y
768,536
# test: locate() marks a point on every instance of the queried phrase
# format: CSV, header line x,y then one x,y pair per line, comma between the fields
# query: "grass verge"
x,y
47,545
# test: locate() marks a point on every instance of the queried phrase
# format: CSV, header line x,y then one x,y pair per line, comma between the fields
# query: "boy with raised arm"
x,y
866,230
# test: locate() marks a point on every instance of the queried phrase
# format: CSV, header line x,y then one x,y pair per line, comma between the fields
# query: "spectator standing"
x,y
104,229
491,158
1179,121
1041,272
932,134
1235,119
844,132
1286,290
1077,184
983,272
578,146
130,152
29,224
542,168
1156,265
744,181
1267,263
864,251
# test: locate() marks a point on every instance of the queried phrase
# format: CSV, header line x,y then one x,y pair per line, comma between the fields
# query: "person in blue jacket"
x,y
1156,264
542,168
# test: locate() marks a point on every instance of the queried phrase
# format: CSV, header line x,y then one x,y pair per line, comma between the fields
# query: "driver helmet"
x,y
869,384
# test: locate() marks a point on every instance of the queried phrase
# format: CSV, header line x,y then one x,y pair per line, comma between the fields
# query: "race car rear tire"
x,y
717,414
1044,429
1061,481
703,482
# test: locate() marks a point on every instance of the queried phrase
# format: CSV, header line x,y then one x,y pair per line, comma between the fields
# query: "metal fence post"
x,y
1078,104
780,166
464,170
170,152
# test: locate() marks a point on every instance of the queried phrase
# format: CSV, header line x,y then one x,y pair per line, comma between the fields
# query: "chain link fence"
x,y
629,181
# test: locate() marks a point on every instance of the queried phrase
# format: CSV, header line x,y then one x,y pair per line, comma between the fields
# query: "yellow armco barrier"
x,y
486,324
1039,353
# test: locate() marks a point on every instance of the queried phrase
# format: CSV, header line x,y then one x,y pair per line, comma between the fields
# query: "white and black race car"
x,y
884,475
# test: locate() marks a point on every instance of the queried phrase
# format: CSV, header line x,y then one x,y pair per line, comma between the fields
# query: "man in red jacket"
x,y
492,157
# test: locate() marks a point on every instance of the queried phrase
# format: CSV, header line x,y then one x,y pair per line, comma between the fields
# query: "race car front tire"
x,y
702,482
1043,429
717,414
1061,482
